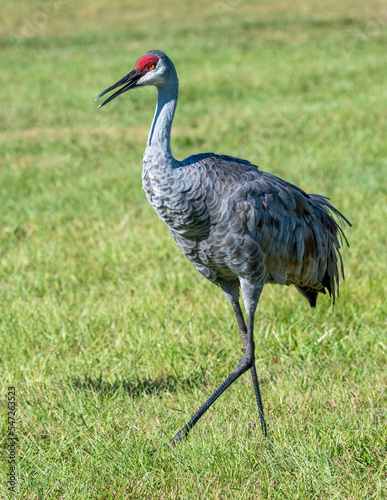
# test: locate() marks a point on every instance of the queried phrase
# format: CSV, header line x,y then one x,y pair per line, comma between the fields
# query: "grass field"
x,y
110,337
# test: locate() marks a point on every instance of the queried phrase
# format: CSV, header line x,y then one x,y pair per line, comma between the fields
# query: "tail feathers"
x,y
335,222
309,295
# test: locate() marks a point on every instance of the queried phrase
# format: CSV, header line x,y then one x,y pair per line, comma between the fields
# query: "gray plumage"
x,y
239,226
234,221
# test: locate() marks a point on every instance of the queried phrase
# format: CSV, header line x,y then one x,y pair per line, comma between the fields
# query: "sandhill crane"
x,y
240,227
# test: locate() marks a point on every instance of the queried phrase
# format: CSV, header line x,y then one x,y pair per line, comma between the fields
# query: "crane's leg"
x,y
250,297
250,294
243,328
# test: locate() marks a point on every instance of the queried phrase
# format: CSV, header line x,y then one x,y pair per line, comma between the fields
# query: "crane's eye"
x,y
151,66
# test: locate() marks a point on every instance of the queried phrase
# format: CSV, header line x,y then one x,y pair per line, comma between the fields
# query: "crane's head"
x,y
154,68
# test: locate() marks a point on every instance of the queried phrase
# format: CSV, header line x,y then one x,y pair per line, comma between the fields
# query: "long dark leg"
x,y
251,294
259,399
246,362
245,332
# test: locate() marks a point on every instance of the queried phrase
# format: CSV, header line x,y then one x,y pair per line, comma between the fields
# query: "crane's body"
x,y
234,221
239,226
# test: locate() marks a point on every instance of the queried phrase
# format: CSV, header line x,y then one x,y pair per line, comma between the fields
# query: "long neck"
x,y
160,132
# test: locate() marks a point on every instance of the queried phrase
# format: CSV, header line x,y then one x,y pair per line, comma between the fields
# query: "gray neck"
x,y
158,145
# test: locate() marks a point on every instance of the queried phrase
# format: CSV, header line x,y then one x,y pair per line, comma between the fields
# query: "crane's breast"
x,y
179,199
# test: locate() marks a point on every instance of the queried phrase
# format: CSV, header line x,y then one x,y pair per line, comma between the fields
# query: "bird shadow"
x,y
136,387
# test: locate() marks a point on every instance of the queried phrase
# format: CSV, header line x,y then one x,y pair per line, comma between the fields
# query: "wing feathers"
x,y
236,221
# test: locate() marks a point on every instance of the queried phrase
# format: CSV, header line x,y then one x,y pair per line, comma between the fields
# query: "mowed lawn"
x,y
109,335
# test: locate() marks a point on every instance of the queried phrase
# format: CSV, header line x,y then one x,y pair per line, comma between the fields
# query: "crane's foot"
x,y
174,441
264,427
252,429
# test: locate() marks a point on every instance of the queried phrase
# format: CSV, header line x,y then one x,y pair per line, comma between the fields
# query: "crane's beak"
x,y
130,80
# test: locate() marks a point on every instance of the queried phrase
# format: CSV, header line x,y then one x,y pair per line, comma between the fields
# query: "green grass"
x,y
110,336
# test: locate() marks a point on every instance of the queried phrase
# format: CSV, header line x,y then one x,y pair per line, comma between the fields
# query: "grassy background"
x,y
110,336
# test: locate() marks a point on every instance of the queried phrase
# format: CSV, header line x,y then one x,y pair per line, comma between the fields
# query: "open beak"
x,y
129,81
